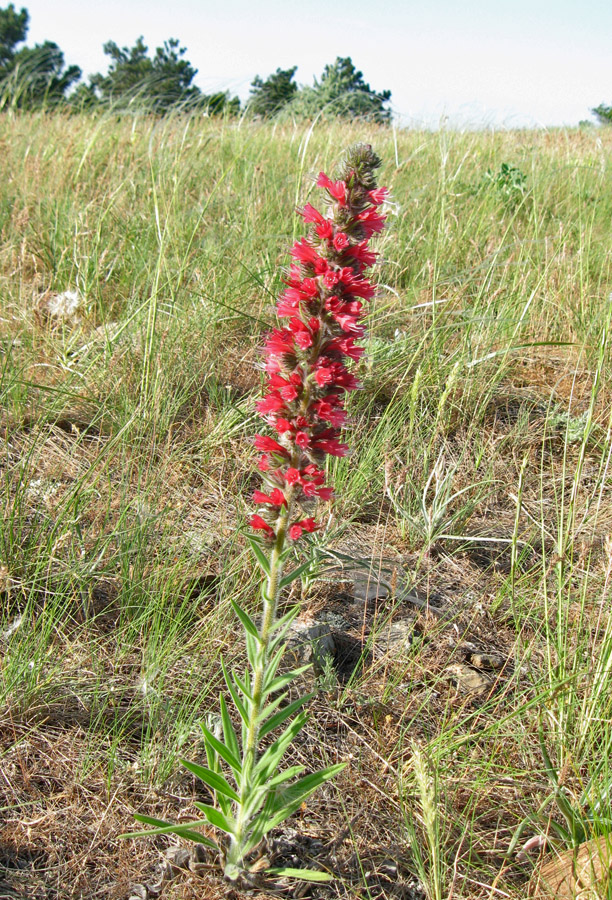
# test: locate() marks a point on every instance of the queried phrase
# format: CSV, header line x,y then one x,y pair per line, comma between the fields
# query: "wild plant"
x,y
323,307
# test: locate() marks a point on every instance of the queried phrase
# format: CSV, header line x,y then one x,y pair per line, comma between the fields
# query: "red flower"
x,y
337,189
331,446
271,403
340,241
258,523
371,221
304,251
310,214
295,531
379,195
263,442
276,497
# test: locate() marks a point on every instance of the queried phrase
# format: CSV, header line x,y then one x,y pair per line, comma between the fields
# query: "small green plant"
x,y
307,382
510,183
440,515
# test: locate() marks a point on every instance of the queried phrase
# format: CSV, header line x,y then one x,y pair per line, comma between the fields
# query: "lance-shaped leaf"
x,y
287,619
294,795
272,665
229,734
214,780
249,625
234,694
291,772
244,686
295,573
278,683
302,874
163,827
253,648
216,817
270,759
259,554
274,704
283,714
223,751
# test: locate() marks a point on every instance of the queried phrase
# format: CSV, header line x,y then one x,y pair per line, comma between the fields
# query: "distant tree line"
x,y
603,114
35,77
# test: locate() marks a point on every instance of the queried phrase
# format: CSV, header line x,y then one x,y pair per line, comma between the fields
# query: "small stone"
x,y
468,680
487,660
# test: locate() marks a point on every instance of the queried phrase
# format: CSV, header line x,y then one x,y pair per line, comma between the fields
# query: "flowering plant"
x,y
307,379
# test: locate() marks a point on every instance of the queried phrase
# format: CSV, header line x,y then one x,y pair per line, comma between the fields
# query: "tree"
x,y
603,113
13,31
269,97
31,76
342,91
40,77
158,83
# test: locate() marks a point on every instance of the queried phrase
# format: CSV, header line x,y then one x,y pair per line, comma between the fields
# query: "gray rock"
x,y
395,638
311,643
370,588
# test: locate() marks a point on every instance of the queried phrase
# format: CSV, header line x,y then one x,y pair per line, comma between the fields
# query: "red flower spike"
x,y
305,361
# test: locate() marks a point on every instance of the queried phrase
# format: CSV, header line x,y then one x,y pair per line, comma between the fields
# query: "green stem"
x,y
234,865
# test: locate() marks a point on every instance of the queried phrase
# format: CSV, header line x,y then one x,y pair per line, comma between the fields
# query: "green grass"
x,y
481,468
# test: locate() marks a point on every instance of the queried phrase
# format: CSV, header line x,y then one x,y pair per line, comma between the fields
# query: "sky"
x,y
469,63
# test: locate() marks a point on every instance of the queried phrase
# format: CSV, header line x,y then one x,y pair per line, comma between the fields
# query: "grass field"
x,y
479,485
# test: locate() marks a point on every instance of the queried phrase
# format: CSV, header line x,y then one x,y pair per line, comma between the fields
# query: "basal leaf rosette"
x,y
321,315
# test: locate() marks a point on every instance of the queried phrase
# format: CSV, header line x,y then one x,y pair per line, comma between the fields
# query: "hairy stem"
x,y
234,865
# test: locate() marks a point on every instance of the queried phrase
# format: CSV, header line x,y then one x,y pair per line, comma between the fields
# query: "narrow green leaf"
x,y
234,694
249,625
298,792
229,734
302,874
244,686
295,573
223,751
283,714
216,817
259,554
274,704
213,779
291,772
211,756
272,666
287,619
270,759
168,828
252,649
278,683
